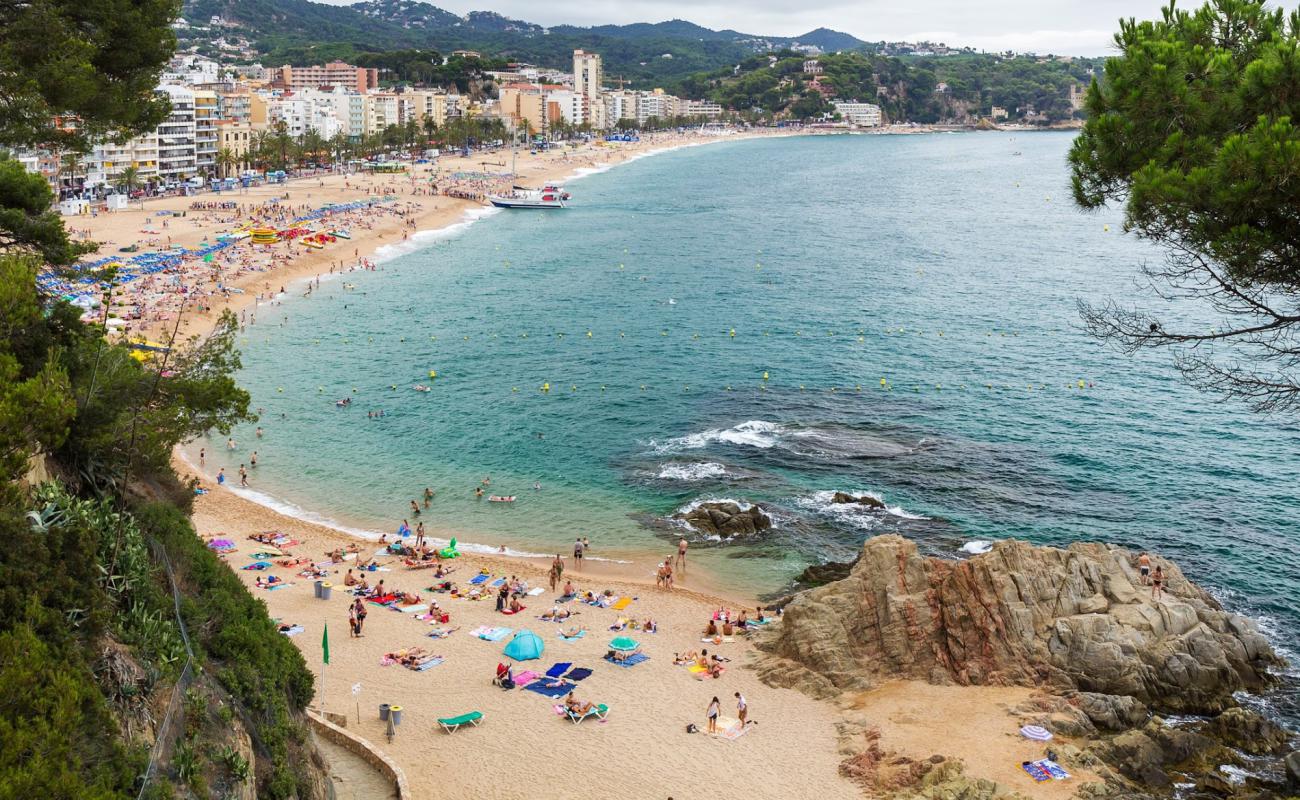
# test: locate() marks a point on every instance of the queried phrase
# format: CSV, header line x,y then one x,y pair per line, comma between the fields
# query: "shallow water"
x,y
944,265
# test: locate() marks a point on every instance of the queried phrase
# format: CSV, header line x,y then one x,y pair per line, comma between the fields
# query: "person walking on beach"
x,y
1157,583
712,714
578,547
352,622
202,453
243,476
742,709
557,570
221,477
1144,568
681,554
419,535
359,610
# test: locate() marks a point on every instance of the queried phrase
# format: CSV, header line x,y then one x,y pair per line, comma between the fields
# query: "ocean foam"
x,y
754,433
852,513
421,239
977,546
697,471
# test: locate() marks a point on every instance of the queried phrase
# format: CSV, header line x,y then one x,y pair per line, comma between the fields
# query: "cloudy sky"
x,y
1073,27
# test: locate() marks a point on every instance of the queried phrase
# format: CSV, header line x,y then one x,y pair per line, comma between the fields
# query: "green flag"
x,y
325,643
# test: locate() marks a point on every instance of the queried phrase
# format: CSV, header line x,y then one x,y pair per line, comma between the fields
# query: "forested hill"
x,y
915,89
644,53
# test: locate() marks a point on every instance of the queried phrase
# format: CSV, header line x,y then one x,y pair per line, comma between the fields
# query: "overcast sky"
x,y
1071,27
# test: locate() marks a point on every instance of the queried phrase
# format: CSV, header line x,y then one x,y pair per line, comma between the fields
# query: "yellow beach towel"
x,y
622,604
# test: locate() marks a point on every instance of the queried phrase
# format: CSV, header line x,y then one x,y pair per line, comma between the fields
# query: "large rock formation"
x,y
725,519
1074,619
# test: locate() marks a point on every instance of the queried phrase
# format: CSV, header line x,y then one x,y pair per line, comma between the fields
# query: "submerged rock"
x,y
1073,619
867,500
725,519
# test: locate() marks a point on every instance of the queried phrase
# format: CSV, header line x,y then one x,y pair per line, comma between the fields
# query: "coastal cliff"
x,y
1078,626
1077,619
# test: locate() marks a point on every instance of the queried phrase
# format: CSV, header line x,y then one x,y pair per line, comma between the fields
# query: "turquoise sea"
x,y
946,266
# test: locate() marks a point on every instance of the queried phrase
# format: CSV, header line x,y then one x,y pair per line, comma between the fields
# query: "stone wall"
x,y
365,750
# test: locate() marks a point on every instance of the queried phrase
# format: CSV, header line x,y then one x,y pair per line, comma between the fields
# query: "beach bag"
x,y
507,683
690,728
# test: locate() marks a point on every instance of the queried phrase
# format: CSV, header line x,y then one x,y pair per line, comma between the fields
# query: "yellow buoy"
x,y
514,388
884,382
588,334
433,373
279,389
764,375
733,333
546,387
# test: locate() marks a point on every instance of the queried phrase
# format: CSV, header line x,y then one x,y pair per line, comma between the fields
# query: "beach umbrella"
x,y
526,646
624,643
1036,733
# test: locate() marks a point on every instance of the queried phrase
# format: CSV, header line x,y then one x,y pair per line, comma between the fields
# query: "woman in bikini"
x,y
1157,583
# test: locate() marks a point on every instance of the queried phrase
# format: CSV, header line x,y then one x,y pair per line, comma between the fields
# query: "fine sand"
x,y
523,747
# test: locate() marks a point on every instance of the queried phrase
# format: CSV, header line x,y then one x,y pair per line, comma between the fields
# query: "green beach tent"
x,y
526,646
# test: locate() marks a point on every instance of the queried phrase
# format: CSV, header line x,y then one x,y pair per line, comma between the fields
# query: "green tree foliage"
x,y
72,71
1194,131
27,219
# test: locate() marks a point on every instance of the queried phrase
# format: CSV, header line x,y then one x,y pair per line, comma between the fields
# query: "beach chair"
x,y
599,712
452,724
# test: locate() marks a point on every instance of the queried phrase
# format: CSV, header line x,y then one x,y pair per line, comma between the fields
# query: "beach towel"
x,y
622,604
508,612
477,579
558,669
578,674
731,729
573,638
526,677
630,661
1052,768
275,586
498,582
441,633
258,565
1036,772
494,634
433,662
412,609
714,640
534,592
550,691
696,668
293,631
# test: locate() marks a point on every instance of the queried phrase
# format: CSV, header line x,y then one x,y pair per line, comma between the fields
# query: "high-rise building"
x,y
335,73
206,115
177,158
588,77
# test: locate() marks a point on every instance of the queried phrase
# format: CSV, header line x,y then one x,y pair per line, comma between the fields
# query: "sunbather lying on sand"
x,y
572,633
556,614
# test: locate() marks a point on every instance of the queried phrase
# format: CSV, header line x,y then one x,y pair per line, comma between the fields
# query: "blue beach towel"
x,y
495,635
578,674
573,638
630,661
497,582
477,579
433,662
550,691
559,669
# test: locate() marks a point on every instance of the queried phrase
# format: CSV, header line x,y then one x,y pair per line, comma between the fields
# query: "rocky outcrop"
x,y
1074,619
725,519
867,500
1249,732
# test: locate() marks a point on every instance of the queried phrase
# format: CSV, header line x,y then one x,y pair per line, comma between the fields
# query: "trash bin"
x,y
326,589
317,587
396,712
383,712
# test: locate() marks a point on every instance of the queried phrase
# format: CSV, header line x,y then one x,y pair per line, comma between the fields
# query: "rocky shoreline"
x,y
1139,692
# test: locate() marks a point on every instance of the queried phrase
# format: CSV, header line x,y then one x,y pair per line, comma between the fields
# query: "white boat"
x,y
549,196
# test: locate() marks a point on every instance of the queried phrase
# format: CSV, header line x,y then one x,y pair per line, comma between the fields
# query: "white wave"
x,y
294,511
754,433
977,546
698,471
422,239
853,513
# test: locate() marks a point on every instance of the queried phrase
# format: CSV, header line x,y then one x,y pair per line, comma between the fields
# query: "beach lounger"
x,y
541,688
559,669
599,712
452,724
622,604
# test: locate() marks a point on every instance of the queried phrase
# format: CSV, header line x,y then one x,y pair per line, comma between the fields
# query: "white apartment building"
x,y
571,105
699,108
290,112
381,111
107,161
865,115
176,136
619,105
191,70
654,104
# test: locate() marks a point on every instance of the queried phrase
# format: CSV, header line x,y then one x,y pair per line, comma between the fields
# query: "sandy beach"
x,y
525,748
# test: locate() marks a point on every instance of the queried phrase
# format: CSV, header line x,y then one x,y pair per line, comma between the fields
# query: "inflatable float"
x,y
496,498
449,551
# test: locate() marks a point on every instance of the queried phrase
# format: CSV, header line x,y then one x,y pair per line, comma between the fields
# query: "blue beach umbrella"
x,y
526,646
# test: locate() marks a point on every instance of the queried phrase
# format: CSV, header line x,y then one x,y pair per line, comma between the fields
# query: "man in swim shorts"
x,y
578,547
1144,568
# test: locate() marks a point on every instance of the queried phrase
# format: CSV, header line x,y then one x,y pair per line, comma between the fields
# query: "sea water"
x,y
773,321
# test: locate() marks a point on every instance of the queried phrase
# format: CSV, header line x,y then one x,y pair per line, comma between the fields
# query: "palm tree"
x,y
259,148
71,166
282,142
226,159
128,180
